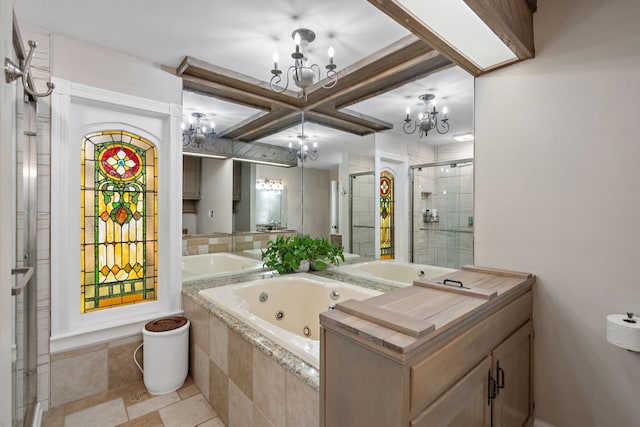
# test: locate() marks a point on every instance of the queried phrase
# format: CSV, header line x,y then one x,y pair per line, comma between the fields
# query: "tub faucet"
x,y
332,307
421,273
334,295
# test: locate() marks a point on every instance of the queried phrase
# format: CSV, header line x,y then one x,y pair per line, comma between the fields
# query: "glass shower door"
x,y
443,213
362,209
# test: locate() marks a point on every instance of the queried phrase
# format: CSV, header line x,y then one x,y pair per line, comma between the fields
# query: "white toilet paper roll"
x,y
623,333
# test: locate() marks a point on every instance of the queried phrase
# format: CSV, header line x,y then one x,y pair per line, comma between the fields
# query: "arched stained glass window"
x,y
119,220
386,215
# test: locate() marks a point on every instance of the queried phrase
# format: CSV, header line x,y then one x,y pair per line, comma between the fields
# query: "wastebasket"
x,y
166,354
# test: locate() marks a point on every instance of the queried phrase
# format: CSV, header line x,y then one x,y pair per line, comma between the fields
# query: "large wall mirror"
x,y
327,193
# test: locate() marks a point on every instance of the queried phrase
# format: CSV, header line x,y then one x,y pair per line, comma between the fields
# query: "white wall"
x,y
93,65
215,195
557,175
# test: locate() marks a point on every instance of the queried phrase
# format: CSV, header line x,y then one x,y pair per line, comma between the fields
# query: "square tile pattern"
x,y
132,406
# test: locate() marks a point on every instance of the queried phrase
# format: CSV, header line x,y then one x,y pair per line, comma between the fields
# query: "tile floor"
x,y
132,406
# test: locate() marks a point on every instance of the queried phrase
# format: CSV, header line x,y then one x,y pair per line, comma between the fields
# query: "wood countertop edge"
x,y
432,340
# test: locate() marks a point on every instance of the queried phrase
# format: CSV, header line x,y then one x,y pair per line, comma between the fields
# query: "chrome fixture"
x,y
302,151
427,119
263,297
334,295
301,73
14,72
197,135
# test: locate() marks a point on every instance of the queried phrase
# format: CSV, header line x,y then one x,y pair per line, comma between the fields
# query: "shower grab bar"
x,y
27,272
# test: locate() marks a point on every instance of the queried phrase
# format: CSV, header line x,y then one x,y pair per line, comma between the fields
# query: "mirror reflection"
x,y
338,193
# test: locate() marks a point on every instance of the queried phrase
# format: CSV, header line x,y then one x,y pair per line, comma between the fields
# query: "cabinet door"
x,y
463,405
513,372
191,177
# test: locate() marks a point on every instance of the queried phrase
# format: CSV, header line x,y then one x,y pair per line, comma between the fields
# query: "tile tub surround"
x,y
228,360
206,244
198,244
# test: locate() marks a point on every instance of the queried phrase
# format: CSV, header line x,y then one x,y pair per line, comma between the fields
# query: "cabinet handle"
x,y
492,388
499,376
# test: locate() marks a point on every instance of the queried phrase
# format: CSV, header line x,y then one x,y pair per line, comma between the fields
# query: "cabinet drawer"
x,y
434,375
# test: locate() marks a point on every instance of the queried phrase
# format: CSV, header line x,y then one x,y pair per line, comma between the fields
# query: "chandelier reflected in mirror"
x,y
301,73
197,134
302,151
427,119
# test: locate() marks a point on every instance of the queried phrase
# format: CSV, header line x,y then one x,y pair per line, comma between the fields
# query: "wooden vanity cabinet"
x,y
472,367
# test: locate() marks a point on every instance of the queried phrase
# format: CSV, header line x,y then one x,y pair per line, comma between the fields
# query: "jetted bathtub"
x,y
285,309
392,272
205,266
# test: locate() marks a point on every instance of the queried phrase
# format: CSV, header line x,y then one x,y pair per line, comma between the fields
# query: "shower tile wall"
x,y
448,242
454,202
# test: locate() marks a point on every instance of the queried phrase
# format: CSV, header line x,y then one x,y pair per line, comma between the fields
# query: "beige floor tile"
x,y
216,422
107,414
153,404
189,412
187,392
152,419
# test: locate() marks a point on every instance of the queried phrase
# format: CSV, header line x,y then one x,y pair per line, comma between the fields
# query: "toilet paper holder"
x,y
629,318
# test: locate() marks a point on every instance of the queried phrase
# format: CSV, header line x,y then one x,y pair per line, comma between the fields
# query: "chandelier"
x,y
197,134
301,73
302,151
427,119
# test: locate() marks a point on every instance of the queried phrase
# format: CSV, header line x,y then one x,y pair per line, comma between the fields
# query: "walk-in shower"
x,y
362,212
442,213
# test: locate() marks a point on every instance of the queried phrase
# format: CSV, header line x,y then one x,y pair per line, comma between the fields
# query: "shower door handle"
x,y
27,272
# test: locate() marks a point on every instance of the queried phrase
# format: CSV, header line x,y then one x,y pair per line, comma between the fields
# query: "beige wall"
x,y
317,197
557,175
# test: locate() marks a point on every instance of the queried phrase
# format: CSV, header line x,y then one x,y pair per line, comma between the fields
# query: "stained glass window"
x,y
386,215
119,221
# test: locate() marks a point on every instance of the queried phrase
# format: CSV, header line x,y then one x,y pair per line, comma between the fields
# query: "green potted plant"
x,y
299,253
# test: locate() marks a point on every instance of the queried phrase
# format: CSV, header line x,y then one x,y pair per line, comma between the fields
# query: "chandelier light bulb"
x,y
183,126
445,110
275,60
296,40
420,116
331,54
290,145
190,120
315,145
204,129
213,124
408,111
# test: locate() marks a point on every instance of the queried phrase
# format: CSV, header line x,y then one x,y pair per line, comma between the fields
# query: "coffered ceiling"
x,y
223,51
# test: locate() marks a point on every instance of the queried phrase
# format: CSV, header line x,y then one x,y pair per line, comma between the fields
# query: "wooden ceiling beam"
x,y
240,82
338,121
265,125
392,77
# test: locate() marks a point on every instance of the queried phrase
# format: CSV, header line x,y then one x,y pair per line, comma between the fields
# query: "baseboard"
x,y
538,423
